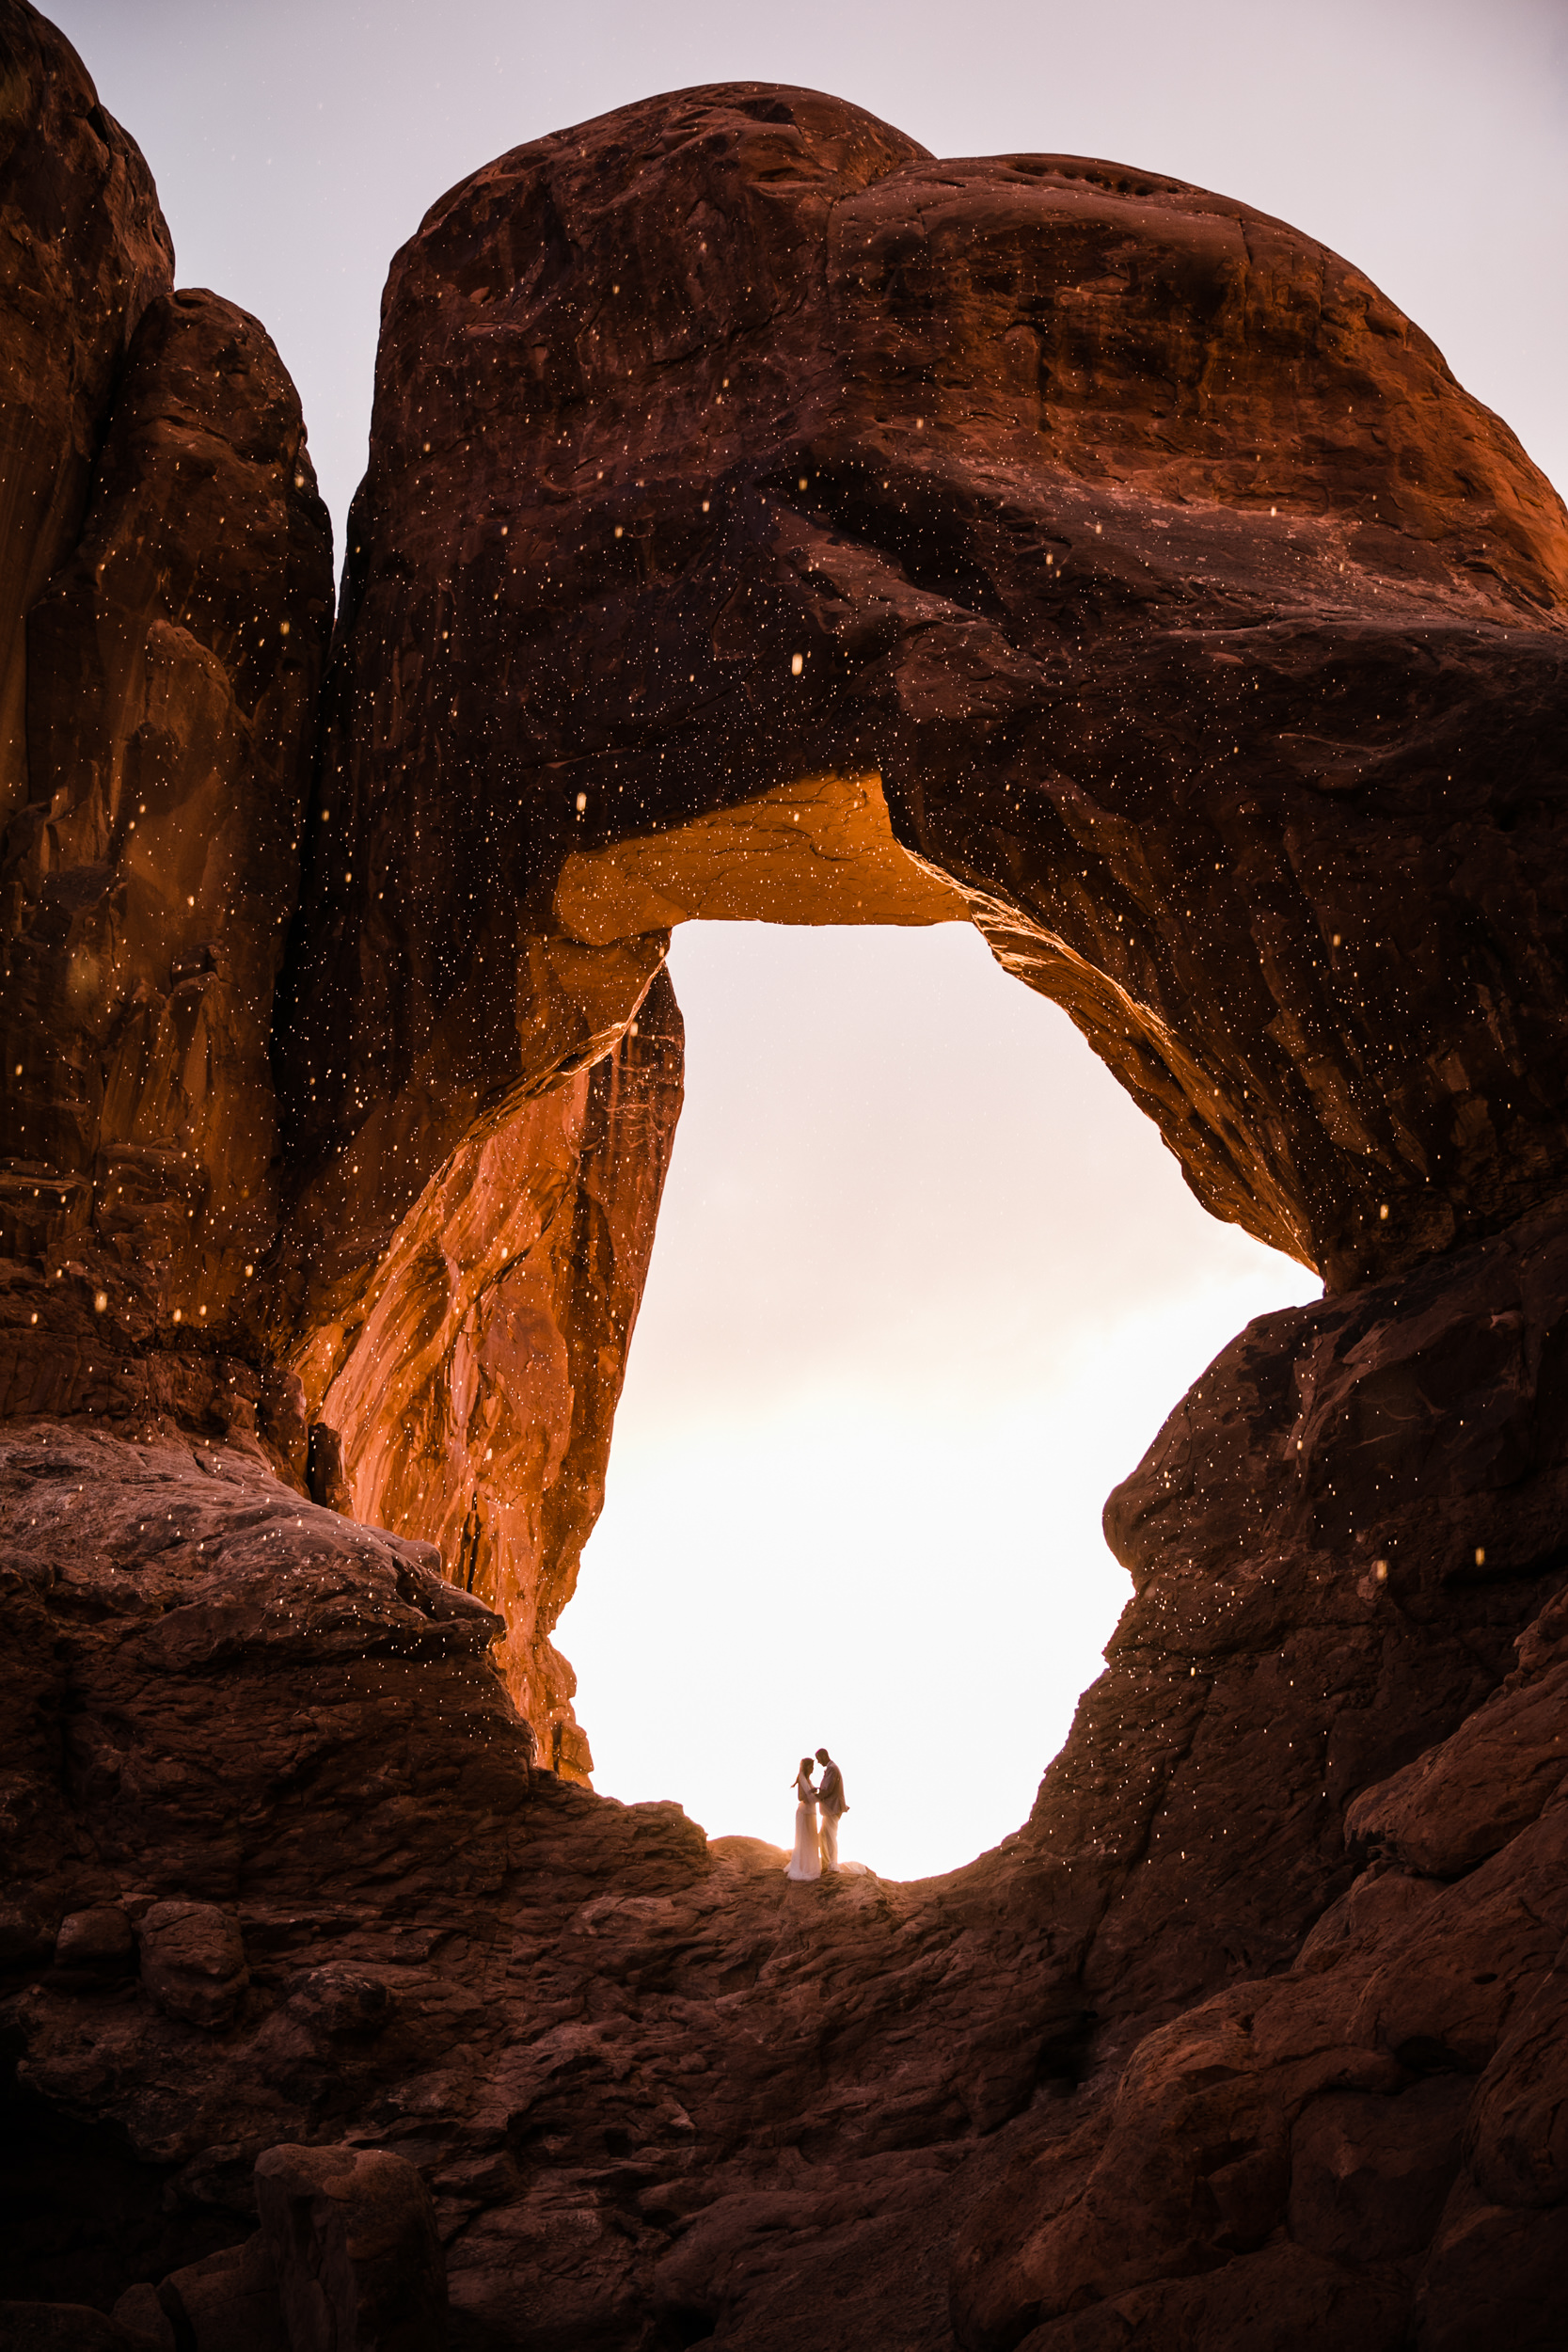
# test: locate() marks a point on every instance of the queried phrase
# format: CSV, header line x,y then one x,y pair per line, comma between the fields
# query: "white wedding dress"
x,y
806,1861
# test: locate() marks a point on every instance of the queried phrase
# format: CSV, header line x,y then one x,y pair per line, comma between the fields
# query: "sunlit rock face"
x,y
1252,2034
471,1394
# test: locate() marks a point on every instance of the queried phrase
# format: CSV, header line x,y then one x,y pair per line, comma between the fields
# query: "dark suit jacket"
x,y
830,1790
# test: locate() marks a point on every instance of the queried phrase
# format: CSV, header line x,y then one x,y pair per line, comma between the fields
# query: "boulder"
x,y
227,2302
193,1962
97,1942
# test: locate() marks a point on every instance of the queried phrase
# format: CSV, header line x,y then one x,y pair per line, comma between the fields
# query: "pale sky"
x,y
926,1283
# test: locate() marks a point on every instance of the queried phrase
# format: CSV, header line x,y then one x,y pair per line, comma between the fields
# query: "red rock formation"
x,y
1251,2035
151,870
172,563
85,251
1331,1564
174,665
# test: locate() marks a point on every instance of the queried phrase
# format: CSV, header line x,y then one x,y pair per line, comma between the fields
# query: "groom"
x,y
830,1797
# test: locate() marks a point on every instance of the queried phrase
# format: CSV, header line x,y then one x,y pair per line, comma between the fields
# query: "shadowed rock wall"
x,y
1177,2063
177,625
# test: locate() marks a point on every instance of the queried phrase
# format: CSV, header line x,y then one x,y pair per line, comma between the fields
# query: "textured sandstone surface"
x,y
765,522
150,872
165,617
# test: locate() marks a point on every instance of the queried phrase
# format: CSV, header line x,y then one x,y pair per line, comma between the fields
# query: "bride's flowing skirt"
x,y
806,1861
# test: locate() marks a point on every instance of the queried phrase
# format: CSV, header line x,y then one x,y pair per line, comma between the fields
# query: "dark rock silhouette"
x,y
765,519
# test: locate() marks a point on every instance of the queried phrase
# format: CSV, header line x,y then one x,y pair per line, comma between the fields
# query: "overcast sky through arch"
x,y
926,1283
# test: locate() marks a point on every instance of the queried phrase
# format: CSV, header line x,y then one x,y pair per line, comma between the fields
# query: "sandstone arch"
x,y
1030,541
1173,2064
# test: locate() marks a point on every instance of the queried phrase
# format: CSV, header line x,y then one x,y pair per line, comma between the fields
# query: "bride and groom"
x,y
816,1848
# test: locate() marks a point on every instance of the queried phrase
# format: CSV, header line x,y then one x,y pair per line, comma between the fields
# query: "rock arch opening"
x,y
925,1285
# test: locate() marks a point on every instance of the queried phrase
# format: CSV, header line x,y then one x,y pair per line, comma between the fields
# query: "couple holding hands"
x,y
816,1848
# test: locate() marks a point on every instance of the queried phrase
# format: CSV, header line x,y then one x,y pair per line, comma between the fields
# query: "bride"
x,y
806,1861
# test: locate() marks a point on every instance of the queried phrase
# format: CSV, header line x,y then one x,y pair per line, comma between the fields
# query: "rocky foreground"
x,y
764,520
1250,2035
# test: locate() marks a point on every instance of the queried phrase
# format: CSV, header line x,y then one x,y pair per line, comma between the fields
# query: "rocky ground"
x,y
1250,2035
